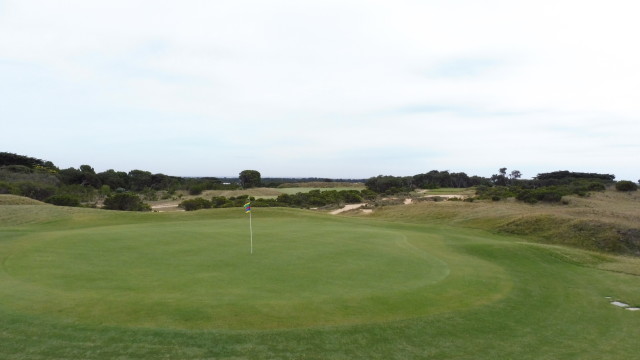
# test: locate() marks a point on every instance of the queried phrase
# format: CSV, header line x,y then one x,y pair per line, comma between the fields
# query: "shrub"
x,y
7,188
63,200
35,190
196,189
195,204
125,201
625,185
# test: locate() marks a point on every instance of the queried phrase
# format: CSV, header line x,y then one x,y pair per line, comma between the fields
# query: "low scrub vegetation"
x,y
626,185
126,202
313,198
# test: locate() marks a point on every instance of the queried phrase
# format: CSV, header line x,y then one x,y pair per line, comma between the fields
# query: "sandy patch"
x,y
347,208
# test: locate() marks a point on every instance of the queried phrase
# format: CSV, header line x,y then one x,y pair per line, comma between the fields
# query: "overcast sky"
x,y
339,89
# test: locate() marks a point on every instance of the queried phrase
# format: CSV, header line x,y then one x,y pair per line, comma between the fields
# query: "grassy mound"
x,y
6,199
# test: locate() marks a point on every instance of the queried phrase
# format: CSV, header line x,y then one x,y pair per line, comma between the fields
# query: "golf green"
x,y
200,274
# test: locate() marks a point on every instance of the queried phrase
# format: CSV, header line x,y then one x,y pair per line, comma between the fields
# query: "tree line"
x,y
42,180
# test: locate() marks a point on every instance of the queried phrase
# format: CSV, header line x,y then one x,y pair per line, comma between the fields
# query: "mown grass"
x,y
91,284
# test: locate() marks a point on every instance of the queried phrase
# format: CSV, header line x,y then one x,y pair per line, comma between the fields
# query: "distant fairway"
x,y
91,284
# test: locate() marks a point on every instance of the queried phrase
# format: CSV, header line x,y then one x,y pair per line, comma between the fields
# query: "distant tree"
x,y
139,180
564,174
114,179
89,177
71,176
87,169
389,184
501,178
14,159
625,185
250,178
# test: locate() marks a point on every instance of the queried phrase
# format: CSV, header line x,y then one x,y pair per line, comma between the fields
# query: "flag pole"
x,y
247,209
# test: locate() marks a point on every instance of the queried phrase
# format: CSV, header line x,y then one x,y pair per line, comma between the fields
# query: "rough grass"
x,y
6,199
91,284
605,221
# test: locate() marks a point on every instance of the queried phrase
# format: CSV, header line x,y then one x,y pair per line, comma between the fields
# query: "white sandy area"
x,y
347,208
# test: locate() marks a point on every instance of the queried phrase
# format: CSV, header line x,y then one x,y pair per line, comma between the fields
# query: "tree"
x,y
139,180
250,178
500,180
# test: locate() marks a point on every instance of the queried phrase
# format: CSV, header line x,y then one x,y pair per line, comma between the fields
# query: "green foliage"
x,y
125,201
8,159
35,190
386,184
18,169
196,189
82,193
626,185
548,194
114,179
570,176
8,188
249,179
139,180
63,200
530,192
195,204
495,193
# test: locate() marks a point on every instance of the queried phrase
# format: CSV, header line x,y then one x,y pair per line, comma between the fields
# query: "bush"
x,y
35,190
548,194
625,185
63,200
125,201
7,188
197,189
195,204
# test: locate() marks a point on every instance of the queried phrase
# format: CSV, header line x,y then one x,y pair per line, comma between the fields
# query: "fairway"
x,y
184,285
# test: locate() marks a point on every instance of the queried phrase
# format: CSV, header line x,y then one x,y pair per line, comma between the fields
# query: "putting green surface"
x,y
200,274
91,284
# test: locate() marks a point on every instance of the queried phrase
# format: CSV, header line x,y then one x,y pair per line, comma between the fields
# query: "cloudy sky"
x,y
341,89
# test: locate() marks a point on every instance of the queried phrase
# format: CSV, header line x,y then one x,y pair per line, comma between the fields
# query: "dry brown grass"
x,y
605,221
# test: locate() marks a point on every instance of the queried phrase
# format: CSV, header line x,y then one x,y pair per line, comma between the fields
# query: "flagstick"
x,y
251,232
